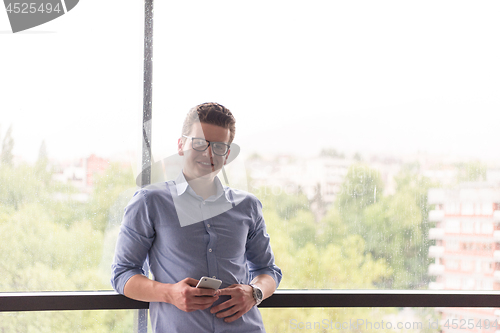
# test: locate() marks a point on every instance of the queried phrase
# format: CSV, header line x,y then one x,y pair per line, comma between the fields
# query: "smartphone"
x,y
209,283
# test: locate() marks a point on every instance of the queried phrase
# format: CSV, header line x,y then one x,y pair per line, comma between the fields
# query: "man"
x,y
194,227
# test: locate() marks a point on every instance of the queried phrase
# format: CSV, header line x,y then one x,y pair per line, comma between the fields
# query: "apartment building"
x,y
466,250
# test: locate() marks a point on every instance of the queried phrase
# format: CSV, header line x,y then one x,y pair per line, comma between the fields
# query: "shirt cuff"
x,y
120,279
275,273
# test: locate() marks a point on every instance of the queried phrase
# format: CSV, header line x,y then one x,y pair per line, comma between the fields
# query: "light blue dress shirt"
x,y
183,236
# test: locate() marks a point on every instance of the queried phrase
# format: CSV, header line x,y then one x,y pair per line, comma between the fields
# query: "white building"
x,y
466,253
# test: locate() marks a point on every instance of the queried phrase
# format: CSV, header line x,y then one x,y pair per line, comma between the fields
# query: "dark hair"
x,y
210,113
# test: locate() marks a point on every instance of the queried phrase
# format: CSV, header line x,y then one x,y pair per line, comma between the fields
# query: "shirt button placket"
x,y
211,259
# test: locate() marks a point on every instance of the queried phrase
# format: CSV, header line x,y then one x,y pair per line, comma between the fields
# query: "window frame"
x,y
110,300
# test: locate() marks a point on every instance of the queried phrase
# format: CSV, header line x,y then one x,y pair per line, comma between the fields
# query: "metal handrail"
x,y
110,300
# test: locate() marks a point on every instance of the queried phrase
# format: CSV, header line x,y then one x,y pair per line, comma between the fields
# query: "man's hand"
x,y
240,303
186,297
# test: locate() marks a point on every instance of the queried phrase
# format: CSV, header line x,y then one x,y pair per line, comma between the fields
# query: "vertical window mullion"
x,y
147,113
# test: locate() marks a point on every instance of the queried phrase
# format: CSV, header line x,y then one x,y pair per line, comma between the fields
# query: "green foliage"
x,y
20,185
302,229
254,156
331,229
393,232
111,193
49,245
67,321
286,205
323,320
43,156
357,157
45,255
316,255
362,187
395,227
331,152
6,157
26,184
365,241
471,171
338,266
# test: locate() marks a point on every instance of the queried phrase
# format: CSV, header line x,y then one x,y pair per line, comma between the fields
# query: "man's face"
x,y
203,164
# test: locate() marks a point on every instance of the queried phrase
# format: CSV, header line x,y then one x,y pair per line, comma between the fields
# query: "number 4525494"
x,y
470,324
32,8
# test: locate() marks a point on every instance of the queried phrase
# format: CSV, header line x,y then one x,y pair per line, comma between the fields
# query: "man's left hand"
x,y
240,303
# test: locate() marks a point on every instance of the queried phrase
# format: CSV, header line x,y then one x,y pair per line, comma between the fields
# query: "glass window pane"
x,y
69,131
68,321
351,117
381,320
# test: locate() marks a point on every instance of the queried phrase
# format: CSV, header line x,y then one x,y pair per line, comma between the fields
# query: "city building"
x,y
467,248
319,178
81,174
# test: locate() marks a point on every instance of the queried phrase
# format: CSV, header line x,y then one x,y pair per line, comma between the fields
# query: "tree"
x,y
6,156
43,255
394,228
50,245
305,248
331,152
43,156
416,187
331,229
357,157
20,185
316,255
110,195
361,188
286,205
471,171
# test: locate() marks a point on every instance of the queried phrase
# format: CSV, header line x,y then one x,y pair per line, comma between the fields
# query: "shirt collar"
x,y
182,186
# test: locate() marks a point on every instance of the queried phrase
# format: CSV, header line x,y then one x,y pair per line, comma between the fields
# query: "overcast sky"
x,y
371,76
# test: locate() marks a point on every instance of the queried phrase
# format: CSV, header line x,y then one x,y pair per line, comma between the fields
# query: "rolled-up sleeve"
x,y
259,254
134,241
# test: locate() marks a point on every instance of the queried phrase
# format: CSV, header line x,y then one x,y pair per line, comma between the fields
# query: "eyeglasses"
x,y
199,144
